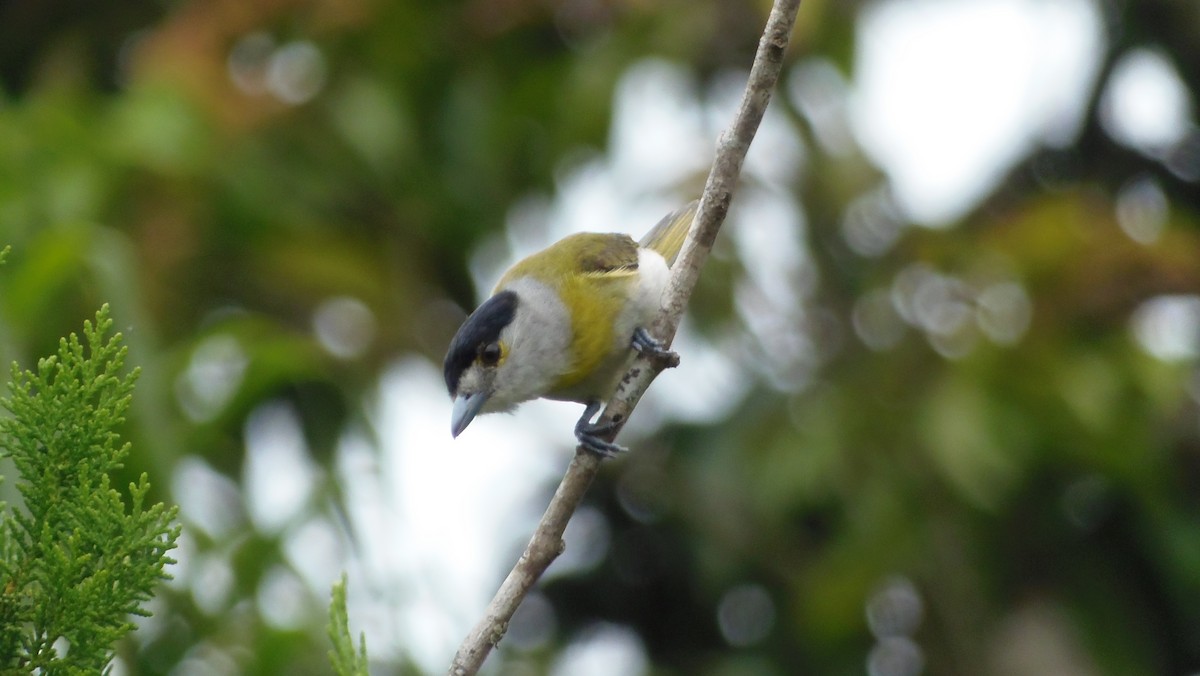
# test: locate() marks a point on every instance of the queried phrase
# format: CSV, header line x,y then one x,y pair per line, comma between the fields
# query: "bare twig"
x,y
547,543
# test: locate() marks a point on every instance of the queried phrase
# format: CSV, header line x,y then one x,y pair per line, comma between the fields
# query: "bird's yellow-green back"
x,y
593,274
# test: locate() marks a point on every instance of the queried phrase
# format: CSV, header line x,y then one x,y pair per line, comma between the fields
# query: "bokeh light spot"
x,y
208,500
281,599
603,650
1168,327
895,609
745,615
1004,312
279,477
819,90
344,326
894,613
945,130
212,580
1142,209
1145,104
296,72
248,61
895,656
316,552
212,377
872,224
876,321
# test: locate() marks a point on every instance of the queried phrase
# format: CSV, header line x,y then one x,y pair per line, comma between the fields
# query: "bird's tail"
x,y
667,237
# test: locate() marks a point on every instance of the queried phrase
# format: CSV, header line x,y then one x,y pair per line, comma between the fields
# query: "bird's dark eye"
x,y
490,354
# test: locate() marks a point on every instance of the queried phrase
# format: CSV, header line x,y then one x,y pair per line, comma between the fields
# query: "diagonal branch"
x,y
547,543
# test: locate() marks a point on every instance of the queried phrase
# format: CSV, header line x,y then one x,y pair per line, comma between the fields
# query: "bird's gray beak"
x,y
466,407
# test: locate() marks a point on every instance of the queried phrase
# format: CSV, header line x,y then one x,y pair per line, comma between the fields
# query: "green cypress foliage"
x,y
347,661
76,561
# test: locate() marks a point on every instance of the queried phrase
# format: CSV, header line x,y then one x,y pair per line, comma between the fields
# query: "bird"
x,y
560,324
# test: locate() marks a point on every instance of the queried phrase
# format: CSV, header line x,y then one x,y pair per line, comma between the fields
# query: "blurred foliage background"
x,y
962,449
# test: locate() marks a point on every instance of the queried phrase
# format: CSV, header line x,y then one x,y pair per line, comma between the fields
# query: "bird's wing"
x,y
668,235
611,255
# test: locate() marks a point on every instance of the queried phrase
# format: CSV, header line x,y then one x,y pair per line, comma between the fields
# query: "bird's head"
x,y
476,358
514,347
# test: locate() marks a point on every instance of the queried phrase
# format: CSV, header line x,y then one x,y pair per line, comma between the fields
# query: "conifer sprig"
x,y
346,659
76,562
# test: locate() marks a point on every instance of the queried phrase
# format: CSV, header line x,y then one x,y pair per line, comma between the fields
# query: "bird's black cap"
x,y
483,327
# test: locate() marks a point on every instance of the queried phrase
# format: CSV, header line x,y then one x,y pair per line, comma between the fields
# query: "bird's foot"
x,y
653,349
588,433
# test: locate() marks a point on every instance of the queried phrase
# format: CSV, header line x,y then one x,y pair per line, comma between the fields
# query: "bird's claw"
x,y
653,348
602,448
588,434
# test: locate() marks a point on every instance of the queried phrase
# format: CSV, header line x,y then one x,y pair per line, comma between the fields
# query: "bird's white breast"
x,y
539,339
653,276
